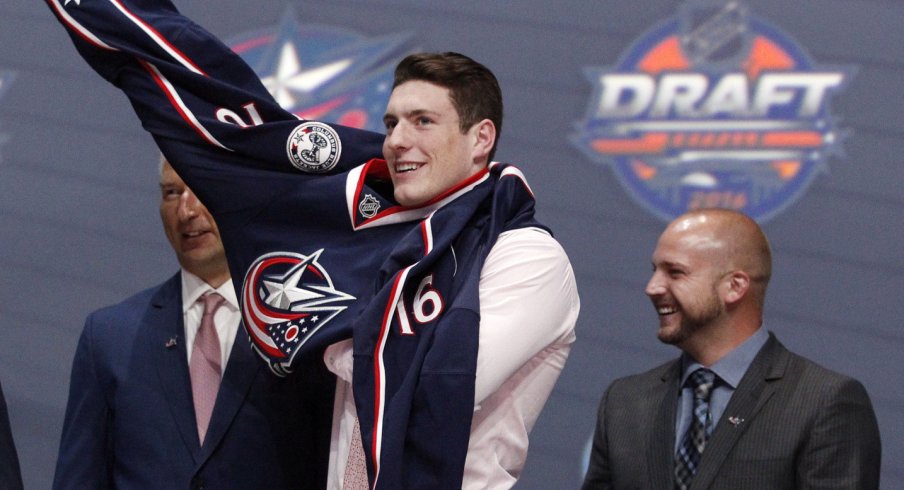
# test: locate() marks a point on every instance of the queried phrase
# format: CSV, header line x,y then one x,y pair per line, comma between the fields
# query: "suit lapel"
x,y
241,369
164,324
752,393
662,436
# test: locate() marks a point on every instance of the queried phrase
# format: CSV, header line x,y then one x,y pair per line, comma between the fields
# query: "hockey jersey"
x,y
307,218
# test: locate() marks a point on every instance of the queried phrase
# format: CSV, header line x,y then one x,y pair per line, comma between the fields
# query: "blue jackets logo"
x,y
286,298
325,73
713,108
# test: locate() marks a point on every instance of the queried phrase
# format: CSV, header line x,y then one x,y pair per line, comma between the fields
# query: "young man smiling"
x,y
443,307
442,124
432,141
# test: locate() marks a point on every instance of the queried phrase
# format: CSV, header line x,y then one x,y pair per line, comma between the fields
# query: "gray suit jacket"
x,y
796,425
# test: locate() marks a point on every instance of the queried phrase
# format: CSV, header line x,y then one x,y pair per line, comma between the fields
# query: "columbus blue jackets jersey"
x,y
307,218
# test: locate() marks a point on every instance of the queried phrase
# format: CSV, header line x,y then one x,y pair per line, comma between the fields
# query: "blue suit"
x,y
10,474
130,420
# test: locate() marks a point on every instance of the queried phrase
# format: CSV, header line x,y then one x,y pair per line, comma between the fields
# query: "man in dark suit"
x,y
737,410
10,474
132,420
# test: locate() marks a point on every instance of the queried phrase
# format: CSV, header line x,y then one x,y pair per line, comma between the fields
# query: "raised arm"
x,y
202,103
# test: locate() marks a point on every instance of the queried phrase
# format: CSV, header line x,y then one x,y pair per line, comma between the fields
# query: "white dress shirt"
x,y
528,308
226,319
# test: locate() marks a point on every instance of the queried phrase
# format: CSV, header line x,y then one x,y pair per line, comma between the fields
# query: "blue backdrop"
x,y
80,228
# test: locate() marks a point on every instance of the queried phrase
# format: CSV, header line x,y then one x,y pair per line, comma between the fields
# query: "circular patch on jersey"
x,y
314,147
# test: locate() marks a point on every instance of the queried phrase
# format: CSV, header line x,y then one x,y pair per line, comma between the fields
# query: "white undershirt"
x,y
528,308
226,319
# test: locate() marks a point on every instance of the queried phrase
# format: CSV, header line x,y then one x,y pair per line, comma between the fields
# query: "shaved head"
x,y
732,240
710,271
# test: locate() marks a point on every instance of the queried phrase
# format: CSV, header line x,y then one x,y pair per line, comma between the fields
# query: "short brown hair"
x,y
473,88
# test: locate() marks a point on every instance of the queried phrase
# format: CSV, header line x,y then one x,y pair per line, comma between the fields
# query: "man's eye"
x,y
424,120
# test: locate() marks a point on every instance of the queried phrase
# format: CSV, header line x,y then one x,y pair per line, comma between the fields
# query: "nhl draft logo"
x,y
369,206
286,298
314,147
325,73
713,108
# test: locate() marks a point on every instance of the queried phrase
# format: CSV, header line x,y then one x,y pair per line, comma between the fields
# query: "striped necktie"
x,y
687,460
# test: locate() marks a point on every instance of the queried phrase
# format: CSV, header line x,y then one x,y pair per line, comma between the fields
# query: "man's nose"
x,y
654,285
399,137
188,205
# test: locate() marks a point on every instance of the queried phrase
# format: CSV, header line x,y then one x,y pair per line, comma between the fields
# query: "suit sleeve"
x,y
84,460
844,449
10,473
598,475
205,107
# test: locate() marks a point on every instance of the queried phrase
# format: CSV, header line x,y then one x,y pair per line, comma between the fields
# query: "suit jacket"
x,y
130,419
789,424
10,474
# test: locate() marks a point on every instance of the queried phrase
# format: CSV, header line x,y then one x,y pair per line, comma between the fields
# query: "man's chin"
x,y
409,200
198,256
671,334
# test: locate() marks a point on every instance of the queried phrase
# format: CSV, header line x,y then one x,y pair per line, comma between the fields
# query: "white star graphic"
x,y
290,77
77,2
284,291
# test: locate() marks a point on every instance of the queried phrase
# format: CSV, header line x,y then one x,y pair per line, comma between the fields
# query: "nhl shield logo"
x,y
286,298
714,107
369,206
314,147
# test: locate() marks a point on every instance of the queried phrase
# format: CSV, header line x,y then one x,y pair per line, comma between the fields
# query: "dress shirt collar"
x,y
193,287
731,368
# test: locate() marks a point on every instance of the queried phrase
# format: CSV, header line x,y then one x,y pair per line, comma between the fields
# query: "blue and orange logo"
x,y
325,73
714,108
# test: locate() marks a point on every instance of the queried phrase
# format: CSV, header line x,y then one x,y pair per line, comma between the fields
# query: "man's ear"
x,y
737,284
484,134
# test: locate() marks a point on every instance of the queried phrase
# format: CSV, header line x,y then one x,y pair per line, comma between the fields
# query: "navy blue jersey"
x,y
307,218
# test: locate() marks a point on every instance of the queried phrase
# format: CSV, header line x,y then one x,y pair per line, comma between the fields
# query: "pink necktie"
x,y
356,468
205,364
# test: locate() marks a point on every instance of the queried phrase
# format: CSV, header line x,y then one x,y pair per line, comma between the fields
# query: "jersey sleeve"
x,y
205,107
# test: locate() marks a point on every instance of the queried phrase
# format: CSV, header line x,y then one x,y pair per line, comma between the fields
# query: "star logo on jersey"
x,y
77,2
286,298
325,73
293,290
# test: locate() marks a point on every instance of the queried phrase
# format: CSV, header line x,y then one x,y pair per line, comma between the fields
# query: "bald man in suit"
x,y
764,418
